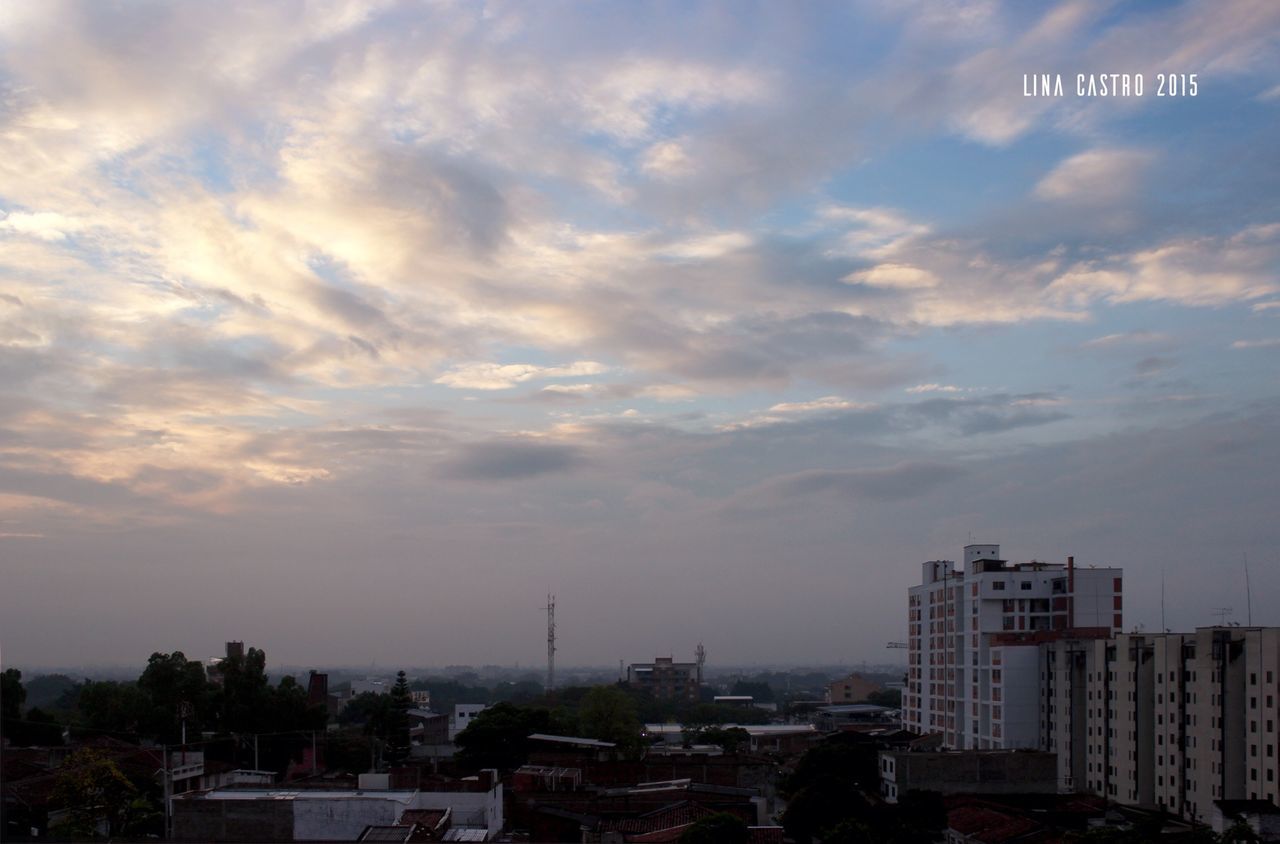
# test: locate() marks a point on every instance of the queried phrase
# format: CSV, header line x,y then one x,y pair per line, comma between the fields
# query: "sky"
x,y
352,330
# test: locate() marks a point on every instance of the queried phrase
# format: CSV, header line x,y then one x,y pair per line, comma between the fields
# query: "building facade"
x,y
1176,721
666,679
852,689
973,642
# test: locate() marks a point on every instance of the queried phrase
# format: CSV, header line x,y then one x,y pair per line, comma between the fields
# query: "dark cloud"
x,y
498,460
892,483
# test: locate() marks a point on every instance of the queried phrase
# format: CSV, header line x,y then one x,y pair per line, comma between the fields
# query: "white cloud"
x,y
46,225
822,404
500,376
1191,271
1096,177
1267,343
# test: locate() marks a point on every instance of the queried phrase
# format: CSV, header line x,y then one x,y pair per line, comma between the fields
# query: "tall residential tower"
x,y
973,642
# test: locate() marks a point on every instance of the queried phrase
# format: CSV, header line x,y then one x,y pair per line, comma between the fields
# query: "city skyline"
x,y
351,330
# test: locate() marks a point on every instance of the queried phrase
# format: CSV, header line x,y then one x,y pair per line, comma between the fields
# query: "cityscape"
x,y
804,423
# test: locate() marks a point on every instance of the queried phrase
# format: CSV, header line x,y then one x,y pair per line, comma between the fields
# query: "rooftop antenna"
x,y
1221,613
1163,626
551,643
1248,591
701,653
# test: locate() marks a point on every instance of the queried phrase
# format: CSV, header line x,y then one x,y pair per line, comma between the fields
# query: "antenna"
x,y
1222,613
701,653
1248,591
551,643
1164,627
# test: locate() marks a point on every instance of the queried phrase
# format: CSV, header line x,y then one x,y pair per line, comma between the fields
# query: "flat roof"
x,y
574,740
294,794
752,729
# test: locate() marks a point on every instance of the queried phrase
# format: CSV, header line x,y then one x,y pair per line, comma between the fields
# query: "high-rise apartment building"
x,y
1172,720
973,642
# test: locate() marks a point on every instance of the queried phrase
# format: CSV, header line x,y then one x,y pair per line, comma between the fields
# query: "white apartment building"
x,y
973,635
1174,721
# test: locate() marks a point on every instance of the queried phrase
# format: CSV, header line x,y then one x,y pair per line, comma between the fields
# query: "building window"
x,y
1026,586
998,586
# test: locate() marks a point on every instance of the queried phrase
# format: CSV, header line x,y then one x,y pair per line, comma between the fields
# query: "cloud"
x,y
1197,271
1265,343
936,388
493,376
511,459
1125,339
898,482
46,225
1096,177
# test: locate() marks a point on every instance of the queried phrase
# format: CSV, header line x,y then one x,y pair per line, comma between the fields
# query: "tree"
x,y
243,701
720,828
731,739
398,744
111,706
607,714
759,690
891,698
94,791
499,737
12,694
1239,833
176,690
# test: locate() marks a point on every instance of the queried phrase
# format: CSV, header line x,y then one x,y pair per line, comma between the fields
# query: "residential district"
x,y
1026,714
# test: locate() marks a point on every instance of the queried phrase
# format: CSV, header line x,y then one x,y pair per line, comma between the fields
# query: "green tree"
x,y
398,744
607,713
370,711
95,792
12,694
37,728
760,691
720,828
243,700
176,690
891,698
111,706
1239,833
499,737
731,739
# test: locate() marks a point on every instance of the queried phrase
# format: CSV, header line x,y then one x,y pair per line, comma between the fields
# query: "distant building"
x,y
213,665
463,715
318,689
421,698
302,814
973,634
666,679
852,689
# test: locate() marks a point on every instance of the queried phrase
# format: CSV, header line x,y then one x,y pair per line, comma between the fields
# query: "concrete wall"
x,y
232,820
341,819
987,772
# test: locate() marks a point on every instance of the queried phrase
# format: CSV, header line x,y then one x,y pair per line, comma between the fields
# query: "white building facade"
x,y
974,631
1174,721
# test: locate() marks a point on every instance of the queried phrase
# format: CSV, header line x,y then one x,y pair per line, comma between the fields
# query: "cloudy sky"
x,y
353,329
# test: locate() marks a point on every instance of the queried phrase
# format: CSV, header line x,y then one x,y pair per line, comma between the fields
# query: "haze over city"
x,y
352,330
